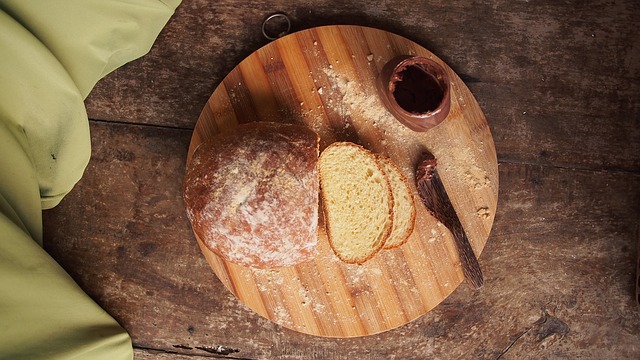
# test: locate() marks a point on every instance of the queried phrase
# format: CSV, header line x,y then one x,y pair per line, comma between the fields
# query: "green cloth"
x,y
52,53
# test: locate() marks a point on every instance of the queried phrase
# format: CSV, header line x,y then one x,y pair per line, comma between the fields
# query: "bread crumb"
x,y
483,212
459,161
282,316
434,236
358,276
364,105
272,276
319,308
304,295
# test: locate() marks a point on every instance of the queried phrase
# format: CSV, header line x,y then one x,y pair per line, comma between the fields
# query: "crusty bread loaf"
x,y
404,209
357,201
252,194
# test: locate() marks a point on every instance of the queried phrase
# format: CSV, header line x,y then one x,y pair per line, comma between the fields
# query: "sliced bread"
x,y
404,209
357,201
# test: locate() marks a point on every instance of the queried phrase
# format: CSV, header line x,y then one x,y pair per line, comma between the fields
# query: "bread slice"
x,y
357,201
404,209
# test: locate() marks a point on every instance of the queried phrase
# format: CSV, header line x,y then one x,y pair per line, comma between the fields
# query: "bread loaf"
x,y
404,209
252,194
357,201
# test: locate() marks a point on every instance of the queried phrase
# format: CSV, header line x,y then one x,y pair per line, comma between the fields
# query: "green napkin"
x,y
52,53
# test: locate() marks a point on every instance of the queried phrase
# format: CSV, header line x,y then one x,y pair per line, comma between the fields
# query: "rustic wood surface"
x,y
325,78
559,83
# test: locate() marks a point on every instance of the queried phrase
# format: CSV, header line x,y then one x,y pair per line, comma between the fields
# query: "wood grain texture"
x,y
325,78
559,85
544,74
134,253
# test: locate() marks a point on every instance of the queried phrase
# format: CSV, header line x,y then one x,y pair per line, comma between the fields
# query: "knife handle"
x,y
470,266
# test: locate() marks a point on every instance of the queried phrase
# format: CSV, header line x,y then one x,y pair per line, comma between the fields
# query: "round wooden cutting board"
x,y
325,78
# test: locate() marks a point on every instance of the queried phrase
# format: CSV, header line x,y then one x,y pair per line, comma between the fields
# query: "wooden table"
x,y
559,84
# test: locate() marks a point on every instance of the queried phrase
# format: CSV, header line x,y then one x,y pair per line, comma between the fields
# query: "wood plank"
x,y
553,78
558,83
559,265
